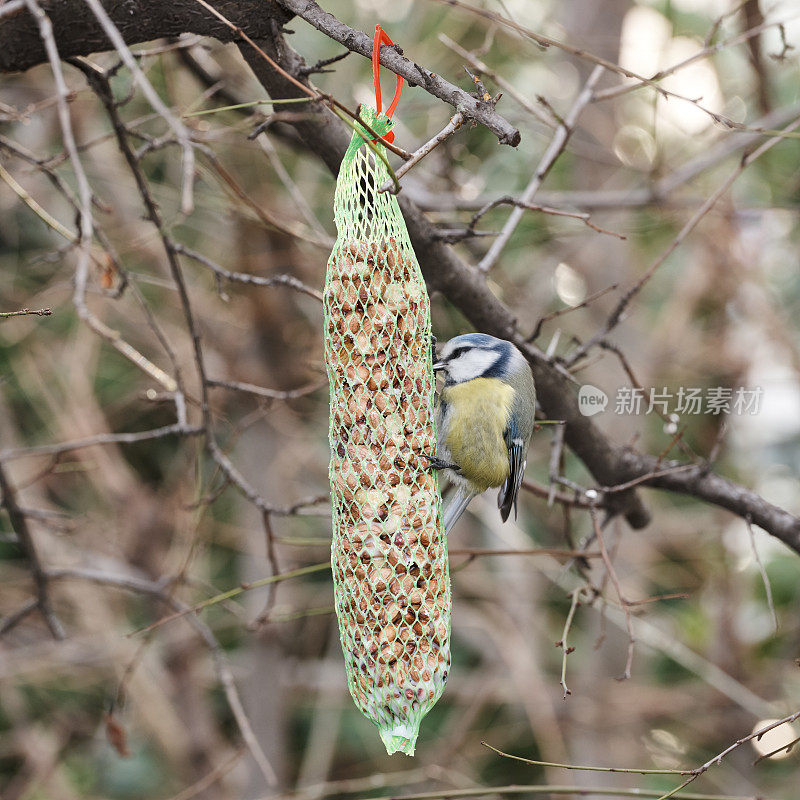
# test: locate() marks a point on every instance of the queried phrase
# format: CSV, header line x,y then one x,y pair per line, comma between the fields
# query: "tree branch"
x,y
78,32
159,591
20,525
444,270
466,289
415,75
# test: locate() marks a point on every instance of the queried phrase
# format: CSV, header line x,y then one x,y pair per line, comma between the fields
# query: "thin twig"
x,y
44,165
623,602
546,41
554,552
40,212
698,771
763,572
100,82
644,479
248,104
13,619
785,46
456,121
20,525
556,451
706,51
617,314
507,200
26,312
272,558
176,429
548,789
210,778
271,394
290,227
714,29
481,66
629,771
576,500
320,65
332,102
555,314
575,601
554,150
86,223
242,277
235,592
133,583
414,74
784,748
294,190
182,134
11,7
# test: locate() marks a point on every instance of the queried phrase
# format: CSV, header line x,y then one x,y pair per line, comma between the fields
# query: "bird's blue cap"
x,y
475,340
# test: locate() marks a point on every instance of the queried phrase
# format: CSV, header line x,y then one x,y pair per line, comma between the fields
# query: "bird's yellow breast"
x,y
477,414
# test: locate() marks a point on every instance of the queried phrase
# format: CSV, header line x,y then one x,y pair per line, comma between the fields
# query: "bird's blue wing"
x,y
516,469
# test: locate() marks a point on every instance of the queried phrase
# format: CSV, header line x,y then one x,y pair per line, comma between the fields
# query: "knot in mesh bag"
x,y
388,554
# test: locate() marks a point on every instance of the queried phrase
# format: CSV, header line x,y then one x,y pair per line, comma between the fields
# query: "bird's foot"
x,y
438,463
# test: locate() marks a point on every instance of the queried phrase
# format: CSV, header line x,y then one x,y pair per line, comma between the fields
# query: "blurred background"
x,y
111,713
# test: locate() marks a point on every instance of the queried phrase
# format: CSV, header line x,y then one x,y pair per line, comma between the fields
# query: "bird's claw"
x,y
438,463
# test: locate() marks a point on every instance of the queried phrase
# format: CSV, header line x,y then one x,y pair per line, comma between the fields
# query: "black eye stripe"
x,y
459,351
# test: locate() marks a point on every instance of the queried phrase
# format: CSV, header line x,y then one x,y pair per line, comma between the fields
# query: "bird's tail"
x,y
456,507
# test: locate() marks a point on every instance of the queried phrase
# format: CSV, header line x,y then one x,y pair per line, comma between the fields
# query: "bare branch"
x,y
414,74
11,621
210,779
481,67
20,525
580,768
86,222
177,429
616,315
550,789
270,394
176,126
546,41
560,313
575,601
40,212
507,200
11,7
26,312
466,289
554,150
612,574
764,577
299,84
79,32
157,590
455,123
242,277
696,773
707,50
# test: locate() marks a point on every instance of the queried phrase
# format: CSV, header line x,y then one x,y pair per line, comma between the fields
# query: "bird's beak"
x,y
439,366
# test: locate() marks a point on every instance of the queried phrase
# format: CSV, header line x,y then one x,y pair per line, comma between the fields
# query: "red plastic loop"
x,y
381,36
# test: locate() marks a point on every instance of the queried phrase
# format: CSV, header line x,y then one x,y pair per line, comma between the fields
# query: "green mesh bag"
x,y
389,553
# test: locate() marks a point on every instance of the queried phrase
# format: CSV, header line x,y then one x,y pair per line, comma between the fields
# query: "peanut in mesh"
x,y
388,554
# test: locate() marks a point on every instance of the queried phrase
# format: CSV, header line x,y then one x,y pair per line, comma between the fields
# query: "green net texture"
x,y
389,554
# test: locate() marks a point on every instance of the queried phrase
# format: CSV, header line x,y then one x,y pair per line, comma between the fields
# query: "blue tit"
x,y
484,418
